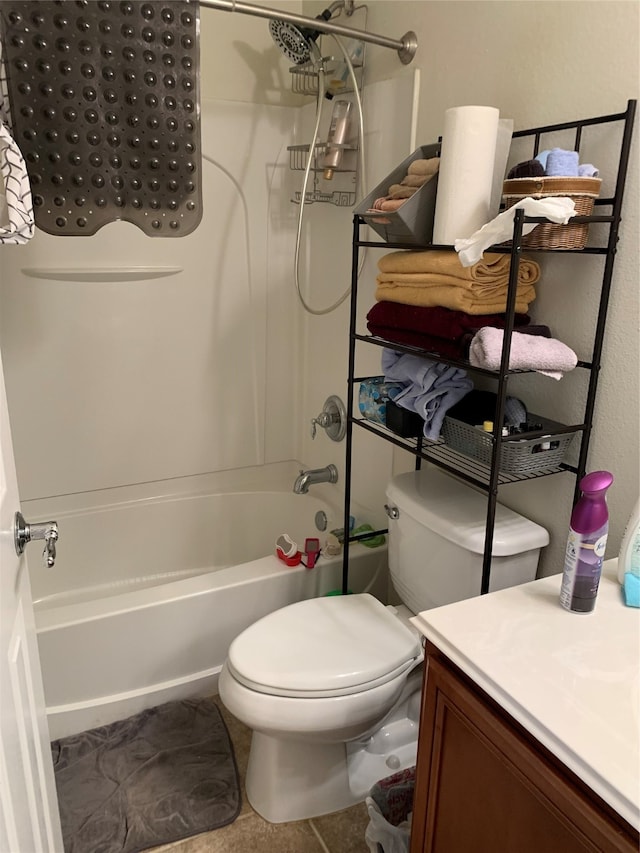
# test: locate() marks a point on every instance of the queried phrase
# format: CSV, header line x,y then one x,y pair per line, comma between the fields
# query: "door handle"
x,y
23,533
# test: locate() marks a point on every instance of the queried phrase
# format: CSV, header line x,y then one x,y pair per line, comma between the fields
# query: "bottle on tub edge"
x,y
586,544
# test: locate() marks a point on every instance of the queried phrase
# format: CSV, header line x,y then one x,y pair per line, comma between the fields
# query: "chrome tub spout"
x,y
314,475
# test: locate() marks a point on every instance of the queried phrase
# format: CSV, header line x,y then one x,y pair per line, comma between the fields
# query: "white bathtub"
x,y
153,582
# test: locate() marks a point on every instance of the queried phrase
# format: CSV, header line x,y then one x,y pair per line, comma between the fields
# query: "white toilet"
x,y
331,686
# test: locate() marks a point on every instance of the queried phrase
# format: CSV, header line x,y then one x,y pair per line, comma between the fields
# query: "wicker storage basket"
x,y
583,191
525,457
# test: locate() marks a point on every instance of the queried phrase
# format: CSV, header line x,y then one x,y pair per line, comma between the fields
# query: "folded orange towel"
x,y
424,167
483,289
391,204
415,180
455,298
398,191
492,269
388,204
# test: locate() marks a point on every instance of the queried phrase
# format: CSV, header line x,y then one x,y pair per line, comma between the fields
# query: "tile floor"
x,y
342,832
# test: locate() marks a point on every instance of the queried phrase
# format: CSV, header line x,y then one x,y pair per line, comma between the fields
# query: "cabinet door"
x,y
483,787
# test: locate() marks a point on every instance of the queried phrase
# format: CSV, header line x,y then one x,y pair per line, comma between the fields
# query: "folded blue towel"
x,y
542,158
631,586
587,170
431,387
562,164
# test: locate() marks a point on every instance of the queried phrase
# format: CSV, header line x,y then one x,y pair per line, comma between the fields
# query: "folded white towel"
x,y
16,207
528,352
558,209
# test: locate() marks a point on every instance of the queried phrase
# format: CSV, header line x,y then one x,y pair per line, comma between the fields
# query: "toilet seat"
x,y
324,647
320,694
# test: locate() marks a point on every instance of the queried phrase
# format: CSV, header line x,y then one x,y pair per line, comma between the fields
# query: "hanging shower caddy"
x,y
305,81
304,78
298,157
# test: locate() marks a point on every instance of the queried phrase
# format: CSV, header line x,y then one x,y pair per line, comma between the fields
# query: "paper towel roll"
x,y
466,172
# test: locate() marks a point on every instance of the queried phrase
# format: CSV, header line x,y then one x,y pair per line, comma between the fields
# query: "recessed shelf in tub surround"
x,y
94,274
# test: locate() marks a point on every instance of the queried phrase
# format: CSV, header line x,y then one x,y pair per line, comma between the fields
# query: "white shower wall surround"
x,y
160,358
155,581
144,378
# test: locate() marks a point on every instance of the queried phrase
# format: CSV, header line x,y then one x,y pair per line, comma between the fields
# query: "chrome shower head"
x,y
293,41
298,43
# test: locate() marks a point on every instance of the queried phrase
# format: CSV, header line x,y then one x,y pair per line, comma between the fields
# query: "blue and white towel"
x,y
431,387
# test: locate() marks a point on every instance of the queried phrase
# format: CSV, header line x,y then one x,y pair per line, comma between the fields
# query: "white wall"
x,y
239,60
116,382
146,378
542,63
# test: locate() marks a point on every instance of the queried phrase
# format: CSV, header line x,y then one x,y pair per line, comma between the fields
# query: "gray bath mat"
x,y
159,776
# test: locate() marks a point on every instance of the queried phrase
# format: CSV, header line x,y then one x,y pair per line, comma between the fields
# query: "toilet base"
x,y
392,748
295,780
289,780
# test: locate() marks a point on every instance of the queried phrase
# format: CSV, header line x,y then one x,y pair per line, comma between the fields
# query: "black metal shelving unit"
x,y
489,477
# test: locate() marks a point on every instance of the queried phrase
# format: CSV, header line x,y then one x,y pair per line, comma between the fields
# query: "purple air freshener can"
x,y
586,544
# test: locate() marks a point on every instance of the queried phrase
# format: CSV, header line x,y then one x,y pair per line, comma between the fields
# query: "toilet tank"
x,y
436,542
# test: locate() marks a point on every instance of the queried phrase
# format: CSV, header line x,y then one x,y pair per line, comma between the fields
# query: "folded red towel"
x,y
439,322
458,350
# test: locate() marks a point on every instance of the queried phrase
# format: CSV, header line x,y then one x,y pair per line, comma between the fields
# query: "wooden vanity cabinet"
x,y
485,785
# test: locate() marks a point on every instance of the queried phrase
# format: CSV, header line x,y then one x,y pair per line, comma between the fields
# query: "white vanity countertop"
x,y
571,679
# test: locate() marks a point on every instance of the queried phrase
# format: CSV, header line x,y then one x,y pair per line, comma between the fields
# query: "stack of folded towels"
x,y
418,174
554,163
428,299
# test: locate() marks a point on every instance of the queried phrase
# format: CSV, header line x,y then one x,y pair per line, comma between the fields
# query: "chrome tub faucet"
x,y
313,476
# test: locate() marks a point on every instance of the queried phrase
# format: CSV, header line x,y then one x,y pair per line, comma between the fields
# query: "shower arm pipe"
x,y
406,47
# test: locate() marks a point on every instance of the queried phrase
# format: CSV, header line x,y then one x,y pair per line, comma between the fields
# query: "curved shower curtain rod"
x,y
406,47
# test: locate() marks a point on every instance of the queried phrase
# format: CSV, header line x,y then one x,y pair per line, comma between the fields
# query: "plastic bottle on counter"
x,y
629,557
586,544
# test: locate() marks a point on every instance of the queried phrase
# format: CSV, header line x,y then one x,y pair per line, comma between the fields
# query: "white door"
x,y
29,820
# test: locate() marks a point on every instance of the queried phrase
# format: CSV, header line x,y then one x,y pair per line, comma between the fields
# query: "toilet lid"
x,y
326,646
